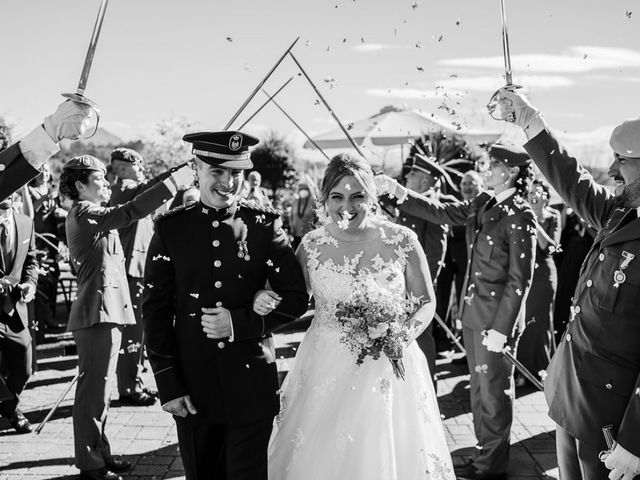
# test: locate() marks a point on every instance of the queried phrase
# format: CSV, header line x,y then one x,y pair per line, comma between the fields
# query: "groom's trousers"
x,y
492,394
223,451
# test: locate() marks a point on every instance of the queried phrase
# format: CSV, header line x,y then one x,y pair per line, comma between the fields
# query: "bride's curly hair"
x,y
345,165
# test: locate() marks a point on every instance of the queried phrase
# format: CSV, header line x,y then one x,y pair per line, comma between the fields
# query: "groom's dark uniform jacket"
x,y
198,258
594,377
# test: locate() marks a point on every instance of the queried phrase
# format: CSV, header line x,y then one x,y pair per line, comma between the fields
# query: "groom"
x,y
212,355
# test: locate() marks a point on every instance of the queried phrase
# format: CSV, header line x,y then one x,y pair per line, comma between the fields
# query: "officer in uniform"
x,y
501,232
594,377
21,162
103,304
212,355
128,165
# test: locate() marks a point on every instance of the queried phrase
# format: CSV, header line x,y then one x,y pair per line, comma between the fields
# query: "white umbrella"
x,y
395,126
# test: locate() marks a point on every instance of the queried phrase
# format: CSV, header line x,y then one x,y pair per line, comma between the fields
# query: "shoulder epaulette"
x,y
256,207
173,211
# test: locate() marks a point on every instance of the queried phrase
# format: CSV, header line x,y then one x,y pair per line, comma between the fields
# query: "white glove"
x,y
494,341
183,176
526,115
69,121
385,184
623,464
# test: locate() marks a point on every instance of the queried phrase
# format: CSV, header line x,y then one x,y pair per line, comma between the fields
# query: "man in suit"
x,y
212,355
18,280
103,303
21,162
501,232
594,377
128,166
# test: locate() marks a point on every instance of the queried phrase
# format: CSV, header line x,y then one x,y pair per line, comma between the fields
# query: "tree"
x,y
163,146
273,159
450,151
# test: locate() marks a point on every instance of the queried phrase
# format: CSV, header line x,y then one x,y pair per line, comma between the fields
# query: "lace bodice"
x,y
334,266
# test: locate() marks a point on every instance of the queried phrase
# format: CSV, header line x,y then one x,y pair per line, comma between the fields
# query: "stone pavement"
x,y
146,435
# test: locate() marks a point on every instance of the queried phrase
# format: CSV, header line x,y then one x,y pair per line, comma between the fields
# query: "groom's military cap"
x,y
223,149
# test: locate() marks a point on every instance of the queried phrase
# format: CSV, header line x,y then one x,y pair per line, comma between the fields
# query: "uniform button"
x,y
220,344
608,386
218,284
577,309
216,243
601,257
568,337
217,263
218,304
215,223
589,283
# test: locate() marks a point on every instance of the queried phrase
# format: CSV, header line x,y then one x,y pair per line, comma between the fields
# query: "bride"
x,y
342,420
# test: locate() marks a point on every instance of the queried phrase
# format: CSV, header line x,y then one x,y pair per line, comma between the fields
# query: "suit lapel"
x,y
21,244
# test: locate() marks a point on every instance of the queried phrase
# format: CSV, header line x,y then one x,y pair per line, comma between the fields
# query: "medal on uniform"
x,y
619,277
240,232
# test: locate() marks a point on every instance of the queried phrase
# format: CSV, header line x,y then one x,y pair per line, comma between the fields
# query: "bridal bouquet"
x,y
374,322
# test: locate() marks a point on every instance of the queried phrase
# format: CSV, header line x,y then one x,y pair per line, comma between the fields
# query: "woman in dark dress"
x,y
537,341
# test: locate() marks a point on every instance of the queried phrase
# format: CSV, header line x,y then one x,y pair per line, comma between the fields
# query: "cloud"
x,y
408,93
492,83
461,86
576,59
375,47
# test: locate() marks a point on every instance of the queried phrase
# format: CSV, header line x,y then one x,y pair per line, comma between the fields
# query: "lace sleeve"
x,y
302,254
418,282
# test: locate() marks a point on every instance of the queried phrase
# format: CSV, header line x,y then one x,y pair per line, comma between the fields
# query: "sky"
x,y
200,59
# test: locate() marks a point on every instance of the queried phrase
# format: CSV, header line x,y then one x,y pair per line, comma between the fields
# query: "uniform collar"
x,y
219,213
502,196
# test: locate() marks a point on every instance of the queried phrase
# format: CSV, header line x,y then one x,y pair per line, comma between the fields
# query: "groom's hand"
x,y
180,407
216,322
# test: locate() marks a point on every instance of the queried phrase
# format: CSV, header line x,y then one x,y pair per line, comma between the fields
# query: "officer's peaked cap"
x,y
223,149
511,154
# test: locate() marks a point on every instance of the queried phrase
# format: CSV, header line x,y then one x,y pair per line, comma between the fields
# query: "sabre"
x,y
523,370
294,123
262,82
344,130
449,333
494,101
86,69
611,442
506,352
58,402
265,103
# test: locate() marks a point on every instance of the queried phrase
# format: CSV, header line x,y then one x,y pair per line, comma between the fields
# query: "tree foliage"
x,y
163,145
273,159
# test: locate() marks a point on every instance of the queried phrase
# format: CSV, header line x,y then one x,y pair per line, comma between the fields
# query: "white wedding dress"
x,y
339,420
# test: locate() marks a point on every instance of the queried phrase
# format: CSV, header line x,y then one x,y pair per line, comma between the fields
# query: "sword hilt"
x,y
494,102
611,442
78,98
